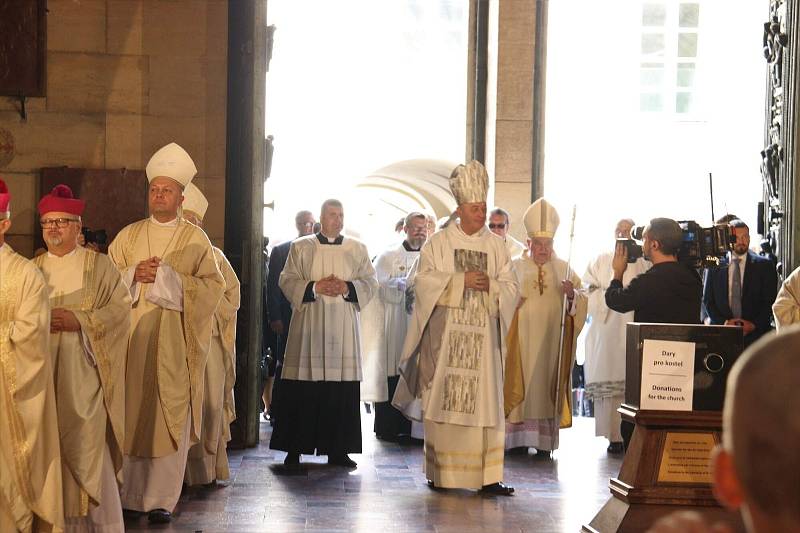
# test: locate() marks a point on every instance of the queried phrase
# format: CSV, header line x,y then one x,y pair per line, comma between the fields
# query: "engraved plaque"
x,y
687,458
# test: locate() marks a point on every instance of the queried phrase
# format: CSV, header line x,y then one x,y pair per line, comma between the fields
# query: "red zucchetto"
x,y
5,197
61,199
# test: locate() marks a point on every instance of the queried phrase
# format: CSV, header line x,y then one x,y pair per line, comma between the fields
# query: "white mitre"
x,y
194,201
541,219
171,161
469,183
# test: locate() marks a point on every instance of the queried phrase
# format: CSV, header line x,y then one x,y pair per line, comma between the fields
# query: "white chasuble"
x,y
539,331
30,459
385,322
89,367
452,368
324,341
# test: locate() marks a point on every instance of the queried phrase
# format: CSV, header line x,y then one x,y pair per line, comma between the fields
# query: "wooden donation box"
x,y
675,387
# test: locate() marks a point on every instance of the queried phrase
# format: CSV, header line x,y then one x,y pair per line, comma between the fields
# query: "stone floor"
x,y
388,492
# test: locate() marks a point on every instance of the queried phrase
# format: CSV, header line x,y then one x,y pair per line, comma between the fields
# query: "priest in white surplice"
x,y
544,281
787,305
605,341
385,325
208,459
31,498
452,368
90,317
169,266
328,278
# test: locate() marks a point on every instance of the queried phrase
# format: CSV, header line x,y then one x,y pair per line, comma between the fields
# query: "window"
x,y
668,57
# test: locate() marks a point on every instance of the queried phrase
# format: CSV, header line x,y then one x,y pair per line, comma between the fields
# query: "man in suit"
x,y
279,310
740,291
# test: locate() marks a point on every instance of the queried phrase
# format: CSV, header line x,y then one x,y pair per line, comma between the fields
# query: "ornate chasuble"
x,y
452,357
539,321
89,383
167,349
30,462
324,340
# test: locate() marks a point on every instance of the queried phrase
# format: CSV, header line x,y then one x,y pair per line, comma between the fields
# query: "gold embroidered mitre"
x,y
469,183
541,219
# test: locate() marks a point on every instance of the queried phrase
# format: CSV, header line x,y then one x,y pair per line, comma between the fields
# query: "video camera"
x,y
700,248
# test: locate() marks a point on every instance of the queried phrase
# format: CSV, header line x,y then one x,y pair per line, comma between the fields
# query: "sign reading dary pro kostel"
x,y
667,375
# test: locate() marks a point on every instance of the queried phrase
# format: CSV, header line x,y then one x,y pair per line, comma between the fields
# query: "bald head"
x,y
761,427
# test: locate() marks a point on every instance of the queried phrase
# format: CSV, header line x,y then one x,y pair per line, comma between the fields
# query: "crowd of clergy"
x,y
118,369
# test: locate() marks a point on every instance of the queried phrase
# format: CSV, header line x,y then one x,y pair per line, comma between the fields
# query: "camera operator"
x,y
740,291
669,293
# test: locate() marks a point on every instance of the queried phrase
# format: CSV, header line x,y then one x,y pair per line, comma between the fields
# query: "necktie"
x,y
736,289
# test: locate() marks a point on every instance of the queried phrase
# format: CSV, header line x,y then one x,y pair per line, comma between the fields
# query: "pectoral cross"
x,y
332,344
539,283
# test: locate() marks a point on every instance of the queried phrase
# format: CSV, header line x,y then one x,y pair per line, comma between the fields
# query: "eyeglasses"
x,y
502,225
57,222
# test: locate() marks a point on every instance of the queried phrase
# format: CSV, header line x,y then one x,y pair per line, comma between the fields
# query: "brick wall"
x,y
124,77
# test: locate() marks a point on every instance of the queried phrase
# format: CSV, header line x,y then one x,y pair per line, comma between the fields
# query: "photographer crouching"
x,y
669,293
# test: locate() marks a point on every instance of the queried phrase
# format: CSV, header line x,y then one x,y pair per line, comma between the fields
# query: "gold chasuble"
x,y
170,333
208,459
30,460
535,337
89,377
452,369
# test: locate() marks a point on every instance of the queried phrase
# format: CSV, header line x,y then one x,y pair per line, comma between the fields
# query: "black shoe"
x,y
130,514
615,448
159,516
498,489
341,460
292,459
432,486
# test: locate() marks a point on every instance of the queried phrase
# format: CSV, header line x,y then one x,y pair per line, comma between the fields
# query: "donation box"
x,y
675,383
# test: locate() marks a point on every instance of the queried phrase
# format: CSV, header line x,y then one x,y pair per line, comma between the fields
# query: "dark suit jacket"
x,y
278,307
759,289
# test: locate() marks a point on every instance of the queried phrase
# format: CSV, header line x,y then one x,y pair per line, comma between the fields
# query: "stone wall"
x,y
124,77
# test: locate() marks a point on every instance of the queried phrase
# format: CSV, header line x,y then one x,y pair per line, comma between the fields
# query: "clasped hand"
x,y
63,320
476,280
146,270
331,286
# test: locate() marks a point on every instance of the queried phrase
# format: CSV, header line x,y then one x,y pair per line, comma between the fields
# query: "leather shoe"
x,y
341,460
159,516
498,489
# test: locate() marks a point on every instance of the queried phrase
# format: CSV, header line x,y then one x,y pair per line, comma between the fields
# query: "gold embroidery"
x,y
464,350
539,283
460,393
472,311
9,298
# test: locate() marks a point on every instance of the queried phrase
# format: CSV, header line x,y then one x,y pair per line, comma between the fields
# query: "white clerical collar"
x,y
70,254
171,224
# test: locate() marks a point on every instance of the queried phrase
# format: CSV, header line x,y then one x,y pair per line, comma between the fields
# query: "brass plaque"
x,y
687,458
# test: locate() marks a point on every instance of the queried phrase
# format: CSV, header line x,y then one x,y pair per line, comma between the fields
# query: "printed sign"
x,y
667,375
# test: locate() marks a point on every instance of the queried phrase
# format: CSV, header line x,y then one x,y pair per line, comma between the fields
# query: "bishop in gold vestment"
x,y
30,462
169,267
536,332
208,459
90,318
